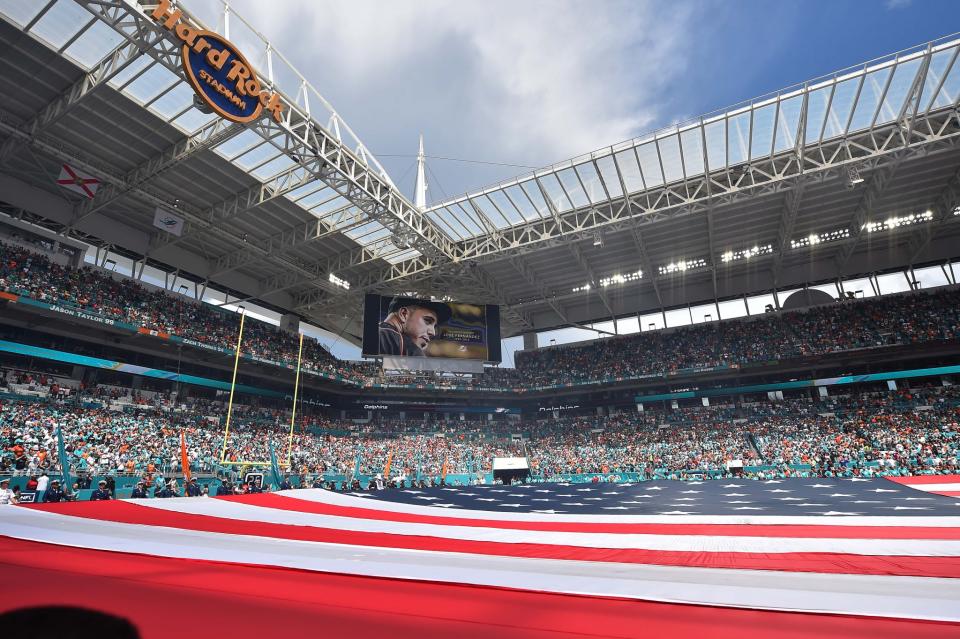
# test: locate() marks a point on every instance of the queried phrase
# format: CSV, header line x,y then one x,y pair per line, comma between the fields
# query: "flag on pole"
x,y
78,182
274,469
356,463
386,467
167,221
184,461
64,463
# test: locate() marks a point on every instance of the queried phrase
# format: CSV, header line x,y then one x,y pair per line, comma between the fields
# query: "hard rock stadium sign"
x,y
217,71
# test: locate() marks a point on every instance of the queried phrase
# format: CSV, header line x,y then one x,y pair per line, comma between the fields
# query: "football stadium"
x,y
702,382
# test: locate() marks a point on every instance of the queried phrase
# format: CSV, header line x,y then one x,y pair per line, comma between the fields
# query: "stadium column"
x,y
529,341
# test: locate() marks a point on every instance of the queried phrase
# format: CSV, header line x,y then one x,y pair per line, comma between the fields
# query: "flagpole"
x,y
293,414
233,384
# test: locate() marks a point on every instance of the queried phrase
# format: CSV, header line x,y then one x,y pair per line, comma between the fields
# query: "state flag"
x,y
74,180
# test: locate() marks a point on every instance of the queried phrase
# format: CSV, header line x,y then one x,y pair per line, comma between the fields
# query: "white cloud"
x,y
532,82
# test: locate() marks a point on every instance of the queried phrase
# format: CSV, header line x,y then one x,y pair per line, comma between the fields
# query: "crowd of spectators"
x,y
852,324
875,322
121,299
889,433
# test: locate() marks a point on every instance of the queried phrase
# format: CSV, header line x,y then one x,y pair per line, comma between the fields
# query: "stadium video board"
x,y
403,326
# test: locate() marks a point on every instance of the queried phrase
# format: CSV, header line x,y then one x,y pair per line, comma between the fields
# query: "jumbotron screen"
x,y
402,326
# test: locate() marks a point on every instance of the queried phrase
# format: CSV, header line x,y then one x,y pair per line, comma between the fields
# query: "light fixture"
x,y
898,221
819,238
746,254
337,281
682,265
597,239
853,176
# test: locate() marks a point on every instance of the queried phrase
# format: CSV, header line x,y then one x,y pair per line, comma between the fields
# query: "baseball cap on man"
x,y
441,309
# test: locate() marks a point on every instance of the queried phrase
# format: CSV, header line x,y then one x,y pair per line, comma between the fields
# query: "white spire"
x,y
420,189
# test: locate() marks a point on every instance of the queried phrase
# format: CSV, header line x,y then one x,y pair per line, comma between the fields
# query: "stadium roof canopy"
x,y
855,172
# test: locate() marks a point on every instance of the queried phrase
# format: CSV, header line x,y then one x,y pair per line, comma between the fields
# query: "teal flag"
x,y
356,463
274,469
64,463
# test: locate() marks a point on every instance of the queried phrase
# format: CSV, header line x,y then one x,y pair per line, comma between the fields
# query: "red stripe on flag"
x,y
247,600
835,563
294,504
926,479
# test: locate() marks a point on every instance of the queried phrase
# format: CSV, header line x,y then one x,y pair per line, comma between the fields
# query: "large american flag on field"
x,y
777,558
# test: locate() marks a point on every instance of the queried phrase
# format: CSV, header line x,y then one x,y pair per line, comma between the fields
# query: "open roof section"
x,y
849,101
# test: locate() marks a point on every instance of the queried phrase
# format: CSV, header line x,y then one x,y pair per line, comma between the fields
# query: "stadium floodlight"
x,y
746,254
681,266
619,278
853,176
598,239
903,220
819,238
338,281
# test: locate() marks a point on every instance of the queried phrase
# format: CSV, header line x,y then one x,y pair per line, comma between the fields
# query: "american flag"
x,y
775,558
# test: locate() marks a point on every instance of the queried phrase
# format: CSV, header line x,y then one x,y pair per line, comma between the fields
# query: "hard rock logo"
x,y
218,72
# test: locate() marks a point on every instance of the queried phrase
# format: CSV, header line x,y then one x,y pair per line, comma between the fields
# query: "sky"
x,y
522,85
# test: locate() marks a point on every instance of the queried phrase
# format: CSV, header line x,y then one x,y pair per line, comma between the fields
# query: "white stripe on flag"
x,y
685,543
869,595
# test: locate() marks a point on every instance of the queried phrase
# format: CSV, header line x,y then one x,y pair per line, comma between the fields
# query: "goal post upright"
x,y
233,385
293,413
